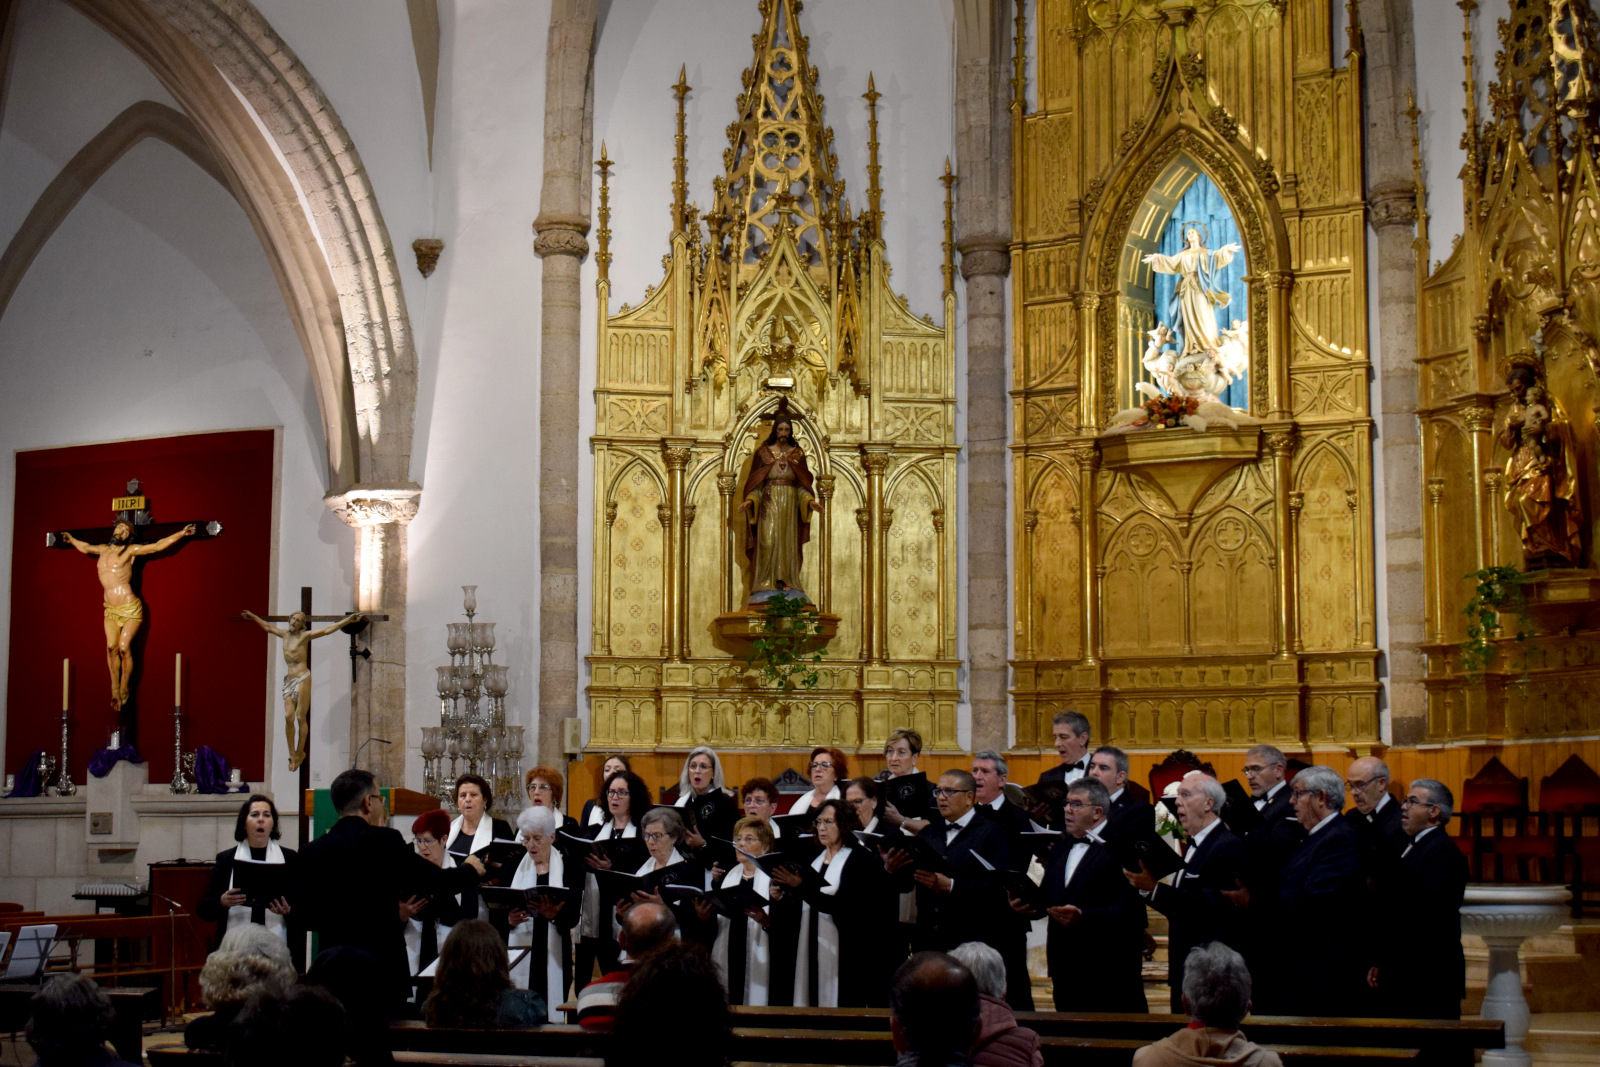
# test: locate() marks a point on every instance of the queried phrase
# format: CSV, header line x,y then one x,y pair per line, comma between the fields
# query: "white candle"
x,y
177,680
66,681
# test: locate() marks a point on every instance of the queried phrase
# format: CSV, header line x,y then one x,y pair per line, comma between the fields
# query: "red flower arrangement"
x,y
1168,411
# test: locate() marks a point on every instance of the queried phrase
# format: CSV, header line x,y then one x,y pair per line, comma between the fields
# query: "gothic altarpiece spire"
x,y
778,295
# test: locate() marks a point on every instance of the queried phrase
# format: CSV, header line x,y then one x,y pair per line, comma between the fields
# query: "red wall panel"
x,y
190,593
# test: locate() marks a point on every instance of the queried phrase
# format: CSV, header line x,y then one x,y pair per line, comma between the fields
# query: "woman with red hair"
x,y
828,769
430,922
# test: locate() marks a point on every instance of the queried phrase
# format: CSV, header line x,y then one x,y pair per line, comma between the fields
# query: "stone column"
x,y
983,223
562,228
380,516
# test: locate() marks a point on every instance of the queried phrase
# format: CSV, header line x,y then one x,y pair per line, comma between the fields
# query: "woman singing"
x,y
544,788
427,927
711,811
838,958
828,766
627,799
547,928
471,832
257,835
594,811
743,948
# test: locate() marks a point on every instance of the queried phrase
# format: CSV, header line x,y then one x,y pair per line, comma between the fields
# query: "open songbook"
x,y
527,899
732,901
1017,884
624,883
501,858
924,857
261,882
1148,848
1040,842
625,853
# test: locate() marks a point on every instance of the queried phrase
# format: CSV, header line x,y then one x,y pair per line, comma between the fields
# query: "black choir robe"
x,y
1128,816
209,906
602,948
1320,898
565,920
1106,942
1197,912
1422,970
1267,850
713,814
864,910
460,846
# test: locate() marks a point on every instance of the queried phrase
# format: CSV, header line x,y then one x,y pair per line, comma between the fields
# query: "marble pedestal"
x,y
1504,916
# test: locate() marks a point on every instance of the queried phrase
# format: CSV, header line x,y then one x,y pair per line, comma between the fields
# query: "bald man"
x,y
1376,814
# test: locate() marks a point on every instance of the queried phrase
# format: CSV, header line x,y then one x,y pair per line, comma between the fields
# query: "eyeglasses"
x,y
540,787
1414,801
617,794
429,842
653,838
858,801
941,791
1253,769
818,765
1296,794
1077,805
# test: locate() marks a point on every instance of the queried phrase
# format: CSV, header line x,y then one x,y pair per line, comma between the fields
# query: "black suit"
x,y
350,882
1422,972
977,908
1196,910
1268,848
209,906
1319,898
1128,815
1381,832
1013,820
1095,963
1058,773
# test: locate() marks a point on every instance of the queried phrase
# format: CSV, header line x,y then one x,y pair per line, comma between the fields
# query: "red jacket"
x,y
1001,1042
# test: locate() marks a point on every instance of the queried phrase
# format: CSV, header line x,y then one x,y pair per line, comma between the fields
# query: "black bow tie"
x,y
1077,766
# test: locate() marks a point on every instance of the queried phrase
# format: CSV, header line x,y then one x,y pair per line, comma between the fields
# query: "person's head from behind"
x,y
987,968
673,983
474,971
355,792
1216,986
68,1020
646,927
933,1006
303,1025
250,959
363,988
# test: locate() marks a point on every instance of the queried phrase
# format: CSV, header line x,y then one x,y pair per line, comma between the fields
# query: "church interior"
x,y
624,377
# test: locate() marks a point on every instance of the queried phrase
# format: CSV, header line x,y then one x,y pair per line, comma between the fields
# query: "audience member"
x,y
1216,996
645,927
250,959
1000,1042
669,986
473,988
933,1011
68,1022
360,983
303,1026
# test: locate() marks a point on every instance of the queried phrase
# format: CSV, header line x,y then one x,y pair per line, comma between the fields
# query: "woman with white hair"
x,y
708,809
1000,1042
251,959
545,929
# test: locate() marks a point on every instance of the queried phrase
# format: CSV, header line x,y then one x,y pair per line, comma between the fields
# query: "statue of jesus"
x,y
124,611
779,497
297,675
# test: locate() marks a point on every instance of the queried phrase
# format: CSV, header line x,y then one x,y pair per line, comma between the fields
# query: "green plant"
x,y
1499,591
788,625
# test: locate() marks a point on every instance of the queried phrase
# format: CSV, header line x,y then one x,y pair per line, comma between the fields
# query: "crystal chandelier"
x,y
472,734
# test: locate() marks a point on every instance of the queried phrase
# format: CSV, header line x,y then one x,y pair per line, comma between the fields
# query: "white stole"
x,y
414,927
644,868
527,877
827,946
757,945
589,923
480,841
804,803
239,914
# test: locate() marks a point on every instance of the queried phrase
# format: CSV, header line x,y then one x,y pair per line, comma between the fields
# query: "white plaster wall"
x,y
907,45
152,311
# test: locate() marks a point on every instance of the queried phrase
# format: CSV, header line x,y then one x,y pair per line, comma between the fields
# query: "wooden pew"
x,y
133,1005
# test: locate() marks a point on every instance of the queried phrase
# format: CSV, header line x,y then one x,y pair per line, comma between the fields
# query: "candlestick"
x,y
177,679
66,675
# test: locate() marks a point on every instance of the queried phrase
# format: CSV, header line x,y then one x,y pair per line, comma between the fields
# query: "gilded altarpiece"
x,y
1519,286
778,294
1205,589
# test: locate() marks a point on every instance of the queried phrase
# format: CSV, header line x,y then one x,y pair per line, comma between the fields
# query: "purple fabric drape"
x,y
210,770
101,763
28,782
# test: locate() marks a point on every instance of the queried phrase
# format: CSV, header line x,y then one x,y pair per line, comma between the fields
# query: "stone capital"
x,y
984,254
560,235
675,451
1392,204
376,505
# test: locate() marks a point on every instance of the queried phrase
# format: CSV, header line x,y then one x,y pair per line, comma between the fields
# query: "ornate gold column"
x,y
1087,456
1088,308
683,582
1478,422
1297,504
727,551
676,452
875,460
824,600
602,637
1281,443
1436,554
937,517
1030,523
669,573
1492,478
864,523
1279,339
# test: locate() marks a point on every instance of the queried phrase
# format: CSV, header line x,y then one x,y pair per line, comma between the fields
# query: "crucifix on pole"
x,y
297,638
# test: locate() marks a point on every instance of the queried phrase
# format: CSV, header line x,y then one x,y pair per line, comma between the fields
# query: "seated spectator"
x,y
68,1022
1001,1042
473,987
1216,994
673,1010
354,977
303,1026
249,960
644,927
933,1011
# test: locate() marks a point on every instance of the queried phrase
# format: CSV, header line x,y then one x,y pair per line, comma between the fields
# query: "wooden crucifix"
x,y
296,691
132,534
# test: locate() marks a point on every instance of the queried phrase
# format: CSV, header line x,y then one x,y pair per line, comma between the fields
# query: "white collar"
x,y
1332,815
480,837
1094,832
1194,842
961,823
1269,794
1118,793
274,851
1423,833
999,802
871,827
1381,802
